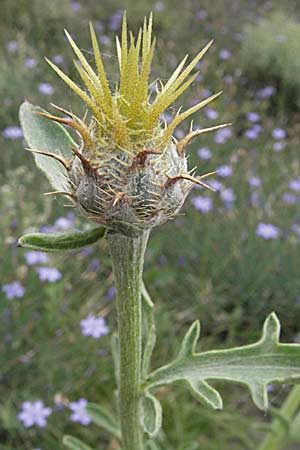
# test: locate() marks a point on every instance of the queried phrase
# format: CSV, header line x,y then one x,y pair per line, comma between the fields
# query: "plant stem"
x,y
128,259
275,439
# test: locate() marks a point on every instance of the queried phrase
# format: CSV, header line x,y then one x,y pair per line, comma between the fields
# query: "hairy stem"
x,y
276,438
128,258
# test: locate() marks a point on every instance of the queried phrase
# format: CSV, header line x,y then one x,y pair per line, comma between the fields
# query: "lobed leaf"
x,y
46,135
58,242
151,414
266,362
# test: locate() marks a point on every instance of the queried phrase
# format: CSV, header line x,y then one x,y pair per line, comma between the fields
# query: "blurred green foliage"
x,y
270,51
211,266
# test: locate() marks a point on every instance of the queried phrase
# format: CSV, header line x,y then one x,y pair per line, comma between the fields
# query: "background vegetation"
x,y
229,259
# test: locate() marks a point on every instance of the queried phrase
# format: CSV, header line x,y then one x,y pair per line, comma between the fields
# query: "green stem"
x,y
275,439
128,258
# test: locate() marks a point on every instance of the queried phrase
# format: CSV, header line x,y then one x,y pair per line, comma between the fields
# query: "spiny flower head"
x,y
127,167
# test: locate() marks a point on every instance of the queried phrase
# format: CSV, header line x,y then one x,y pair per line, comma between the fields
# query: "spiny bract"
x,y
128,168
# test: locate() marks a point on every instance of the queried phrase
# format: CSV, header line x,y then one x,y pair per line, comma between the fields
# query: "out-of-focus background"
x,y
229,259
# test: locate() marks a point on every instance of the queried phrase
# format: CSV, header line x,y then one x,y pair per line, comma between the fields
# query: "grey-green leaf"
x,y
73,443
103,419
256,365
58,242
151,414
45,135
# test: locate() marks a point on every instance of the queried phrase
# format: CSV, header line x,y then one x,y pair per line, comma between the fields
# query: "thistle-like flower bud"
x,y
127,168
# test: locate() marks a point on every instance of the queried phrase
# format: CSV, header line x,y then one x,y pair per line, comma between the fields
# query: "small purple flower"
x,y
76,6
289,198
201,14
295,185
79,413
211,113
34,257
50,274
31,63
46,88
215,184
224,171
253,117
254,182
12,46
58,59
225,54
111,293
227,195
222,135
267,231
13,290
64,222
94,326
251,134
279,133
34,413
12,132
278,146
204,153
202,204
266,92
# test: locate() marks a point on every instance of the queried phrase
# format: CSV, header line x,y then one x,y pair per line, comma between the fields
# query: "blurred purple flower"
x,y
202,204
58,59
79,413
295,185
111,293
225,54
46,88
215,184
13,290
279,133
115,20
12,46
253,117
64,222
224,171
227,195
201,14
76,6
222,135
94,265
34,257
34,413
50,274
278,146
211,113
267,231
289,198
31,63
12,132
94,326
204,153
266,92
251,134
254,182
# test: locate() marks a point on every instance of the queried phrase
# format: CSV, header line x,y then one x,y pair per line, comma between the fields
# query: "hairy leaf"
x,y
149,331
103,419
151,414
45,135
74,444
58,242
256,365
